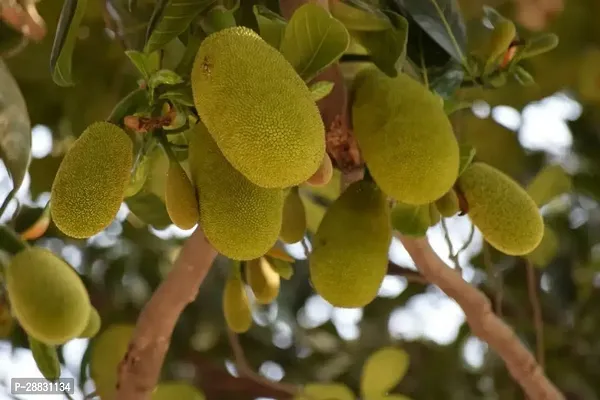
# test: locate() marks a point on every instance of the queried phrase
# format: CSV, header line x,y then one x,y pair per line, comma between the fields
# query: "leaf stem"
x,y
11,242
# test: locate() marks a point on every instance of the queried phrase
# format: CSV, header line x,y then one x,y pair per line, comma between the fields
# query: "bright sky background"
x,y
541,126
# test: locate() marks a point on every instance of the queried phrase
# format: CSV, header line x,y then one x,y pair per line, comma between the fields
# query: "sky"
x,y
431,315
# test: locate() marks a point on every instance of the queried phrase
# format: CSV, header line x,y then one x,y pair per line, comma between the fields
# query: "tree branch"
x,y
140,368
487,326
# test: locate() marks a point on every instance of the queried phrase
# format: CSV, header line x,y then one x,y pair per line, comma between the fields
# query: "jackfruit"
x,y
434,215
258,110
405,137
350,254
236,305
263,280
411,220
293,223
176,391
323,174
448,205
47,296
91,180
507,217
180,197
240,219
107,351
93,324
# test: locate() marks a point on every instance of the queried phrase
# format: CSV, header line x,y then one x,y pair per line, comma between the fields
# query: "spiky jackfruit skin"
x,y
47,296
448,205
236,305
180,197
93,324
350,254
263,280
176,390
257,108
501,209
240,219
293,225
90,183
405,137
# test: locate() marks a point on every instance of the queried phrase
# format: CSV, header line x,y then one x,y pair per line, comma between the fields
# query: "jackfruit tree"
x,y
301,199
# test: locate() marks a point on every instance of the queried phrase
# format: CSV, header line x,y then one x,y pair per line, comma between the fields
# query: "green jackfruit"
x,y
447,205
258,110
47,296
434,215
323,175
263,280
90,183
411,220
240,219
236,305
405,137
93,324
502,210
350,254
180,198
293,223
176,391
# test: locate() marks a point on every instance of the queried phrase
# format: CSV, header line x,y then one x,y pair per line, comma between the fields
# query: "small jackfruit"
x,y
350,254
93,325
323,174
258,110
405,137
501,209
411,220
448,205
240,219
236,305
47,296
90,183
176,390
382,371
180,198
263,280
293,225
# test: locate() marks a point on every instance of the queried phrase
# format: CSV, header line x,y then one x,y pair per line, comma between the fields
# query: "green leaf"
x,y
383,370
552,181
174,19
538,45
140,173
359,16
452,105
546,250
128,105
46,358
325,391
387,48
164,77
182,95
271,25
523,77
493,15
216,19
146,63
313,40
411,220
15,131
321,89
148,207
467,153
191,48
64,41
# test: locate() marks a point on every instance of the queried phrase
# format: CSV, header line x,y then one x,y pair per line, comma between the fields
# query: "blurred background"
x,y
301,338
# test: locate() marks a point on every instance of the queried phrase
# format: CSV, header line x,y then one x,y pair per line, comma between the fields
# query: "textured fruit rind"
x,y
90,183
47,296
236,306
263,280
293,225
349,259
93,324
240,219
180,198
405,137
257,108
448,205
502,210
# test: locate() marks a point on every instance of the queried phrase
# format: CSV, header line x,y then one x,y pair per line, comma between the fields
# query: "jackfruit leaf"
x,y
148,207
325,391
64,41
313,40
280,254
321,89
32,223
467,153
537,45
15,131
411,220
550,182
164,77
174,19
448,81
493,16
357,15
128,105
523,76
452,105
283,268
546,250
383,370
387,48
181,95
46,358
191,48
140,173
146,63
271,25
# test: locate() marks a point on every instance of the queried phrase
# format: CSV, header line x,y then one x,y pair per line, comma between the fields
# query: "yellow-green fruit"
x,y
502,36
236,306
90,183
350,254
176,391
323,175
293,223
47,296
447,205
434,215
240,219
263,280
108,349
257,108
405,137
93,324
180,198
502,210
411,220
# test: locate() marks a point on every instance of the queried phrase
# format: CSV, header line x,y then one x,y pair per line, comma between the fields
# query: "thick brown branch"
x,y
140,368
487,326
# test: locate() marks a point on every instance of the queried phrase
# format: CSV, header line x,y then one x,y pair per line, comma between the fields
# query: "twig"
x,y
484,324
495,279
244,369
140,368
538,320
408,274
